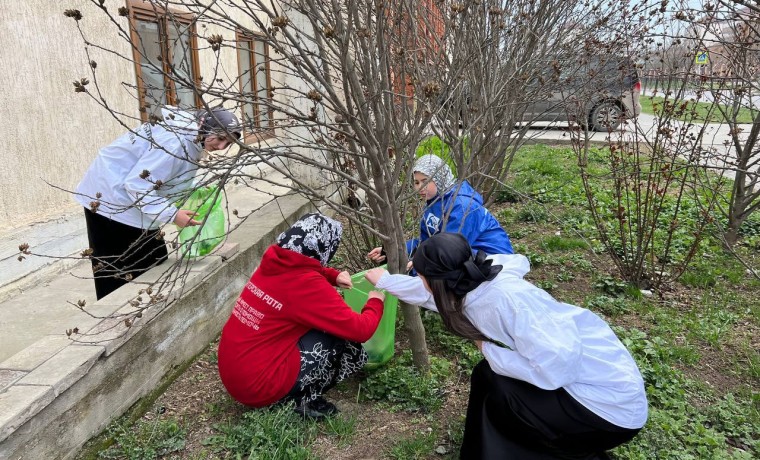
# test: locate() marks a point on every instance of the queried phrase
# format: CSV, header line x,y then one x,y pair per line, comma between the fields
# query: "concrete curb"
x,y
56,394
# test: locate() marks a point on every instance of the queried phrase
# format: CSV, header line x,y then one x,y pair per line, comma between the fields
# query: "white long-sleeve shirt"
x,y
167,150
551,344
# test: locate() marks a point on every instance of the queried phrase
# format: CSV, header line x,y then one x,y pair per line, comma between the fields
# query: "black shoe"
x,y
306,411
324,406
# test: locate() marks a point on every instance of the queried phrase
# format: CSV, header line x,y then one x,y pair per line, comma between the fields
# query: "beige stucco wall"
x,y
50,134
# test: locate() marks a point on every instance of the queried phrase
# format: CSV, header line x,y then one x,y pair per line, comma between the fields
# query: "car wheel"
x,y
606,116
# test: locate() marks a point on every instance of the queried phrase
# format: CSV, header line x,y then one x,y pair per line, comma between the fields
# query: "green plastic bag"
x,y
380,347
199,240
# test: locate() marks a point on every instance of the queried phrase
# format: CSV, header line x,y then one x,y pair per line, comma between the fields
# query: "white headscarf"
x,y
437,170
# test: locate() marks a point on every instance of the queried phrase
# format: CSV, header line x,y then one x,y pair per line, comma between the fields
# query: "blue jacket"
x,y
466,214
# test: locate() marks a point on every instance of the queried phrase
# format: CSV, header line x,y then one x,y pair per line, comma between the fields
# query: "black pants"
x,y
512,419
120,252
325,361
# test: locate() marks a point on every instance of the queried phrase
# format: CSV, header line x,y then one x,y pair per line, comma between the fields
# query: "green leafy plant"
x,y
607,305
532,213
546,285
404,387
611,286
461,351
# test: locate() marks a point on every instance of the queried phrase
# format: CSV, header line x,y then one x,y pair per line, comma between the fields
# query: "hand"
x,y
409,266
376,255
184,218
344,280
373,275
376,295
479,344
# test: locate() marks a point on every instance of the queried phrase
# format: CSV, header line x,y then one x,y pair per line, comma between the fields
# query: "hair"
x,y
451,308
451,271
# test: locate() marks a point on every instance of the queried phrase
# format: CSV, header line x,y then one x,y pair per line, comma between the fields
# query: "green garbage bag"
x,y
380,347
199,240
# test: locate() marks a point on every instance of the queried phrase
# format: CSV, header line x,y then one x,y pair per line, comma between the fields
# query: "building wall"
x,y
51,134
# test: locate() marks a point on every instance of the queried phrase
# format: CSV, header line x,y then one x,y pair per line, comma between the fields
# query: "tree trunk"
x,y
416,332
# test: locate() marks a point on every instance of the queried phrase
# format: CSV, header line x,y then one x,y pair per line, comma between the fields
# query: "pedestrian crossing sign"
x,y
701,58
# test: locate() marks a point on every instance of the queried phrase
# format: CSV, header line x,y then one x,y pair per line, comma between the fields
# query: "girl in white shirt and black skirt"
x,y
556,383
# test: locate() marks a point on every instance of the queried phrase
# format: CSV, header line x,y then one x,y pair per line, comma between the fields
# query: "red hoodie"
x,y
288,295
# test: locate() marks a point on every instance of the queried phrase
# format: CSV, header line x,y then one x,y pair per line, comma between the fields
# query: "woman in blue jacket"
x,y
453,207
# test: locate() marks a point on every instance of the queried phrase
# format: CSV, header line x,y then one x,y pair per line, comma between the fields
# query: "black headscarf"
x,y
313,235
448,256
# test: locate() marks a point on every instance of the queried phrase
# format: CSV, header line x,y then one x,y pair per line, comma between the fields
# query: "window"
x,y
255,84
166,57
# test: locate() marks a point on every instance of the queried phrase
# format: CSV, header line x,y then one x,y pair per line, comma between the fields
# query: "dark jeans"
x,y
325,361
120,252
512,419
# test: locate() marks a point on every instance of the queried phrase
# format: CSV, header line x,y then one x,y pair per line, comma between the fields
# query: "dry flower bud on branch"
x,y
79,86
280,21
74,14
215,41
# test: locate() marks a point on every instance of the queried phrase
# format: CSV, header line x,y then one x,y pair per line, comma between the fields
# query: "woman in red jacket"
x,y
291,337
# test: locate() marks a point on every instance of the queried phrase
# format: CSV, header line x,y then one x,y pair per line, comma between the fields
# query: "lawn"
x,y
692,111
696,342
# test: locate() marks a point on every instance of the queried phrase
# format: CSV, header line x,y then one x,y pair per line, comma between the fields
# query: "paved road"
x,y
716,142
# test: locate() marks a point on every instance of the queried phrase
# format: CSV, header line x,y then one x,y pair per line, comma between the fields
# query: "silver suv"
x,y
599,94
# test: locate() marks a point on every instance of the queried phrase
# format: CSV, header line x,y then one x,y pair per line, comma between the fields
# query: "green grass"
x,y
274,434
416,447
693,111
151,440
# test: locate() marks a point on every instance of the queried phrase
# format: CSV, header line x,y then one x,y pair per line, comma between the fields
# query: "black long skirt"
x,y
512,419
121,252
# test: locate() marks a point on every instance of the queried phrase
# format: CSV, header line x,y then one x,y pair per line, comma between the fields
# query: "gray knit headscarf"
x,y
437,170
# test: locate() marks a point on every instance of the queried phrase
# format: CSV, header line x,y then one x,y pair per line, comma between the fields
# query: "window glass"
x,y
151,69
262,86
182,60
246,81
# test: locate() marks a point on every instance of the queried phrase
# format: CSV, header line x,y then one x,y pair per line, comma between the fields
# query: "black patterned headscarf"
x,y
448,257
313,235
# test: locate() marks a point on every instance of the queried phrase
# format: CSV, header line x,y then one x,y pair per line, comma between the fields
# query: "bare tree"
x,y
729,31
357,85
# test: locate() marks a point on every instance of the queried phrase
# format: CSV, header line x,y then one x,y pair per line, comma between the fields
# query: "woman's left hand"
x,y
344,280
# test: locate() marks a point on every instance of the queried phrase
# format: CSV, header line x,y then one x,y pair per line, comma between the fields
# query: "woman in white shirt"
x,y
130,188
555,382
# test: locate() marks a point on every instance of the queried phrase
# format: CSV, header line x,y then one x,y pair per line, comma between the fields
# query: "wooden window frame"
x,y
263,132
146,11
